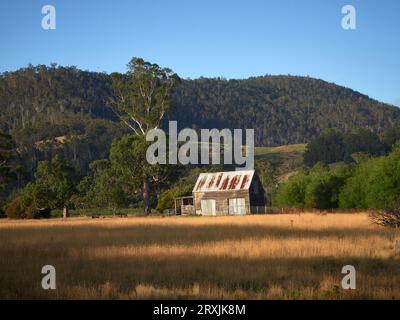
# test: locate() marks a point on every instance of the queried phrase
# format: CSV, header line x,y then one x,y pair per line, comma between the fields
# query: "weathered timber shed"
x,y
232,192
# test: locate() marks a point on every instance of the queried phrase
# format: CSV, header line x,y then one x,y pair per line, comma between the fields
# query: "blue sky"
x,y
228,38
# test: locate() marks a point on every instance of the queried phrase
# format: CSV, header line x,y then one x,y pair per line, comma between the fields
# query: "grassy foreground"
x,y
249,257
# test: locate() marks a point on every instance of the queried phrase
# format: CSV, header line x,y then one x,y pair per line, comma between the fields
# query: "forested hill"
x,y
49,94
40,104
281,109
43,102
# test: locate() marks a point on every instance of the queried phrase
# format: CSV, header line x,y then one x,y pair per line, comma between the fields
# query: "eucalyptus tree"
x,y
142,98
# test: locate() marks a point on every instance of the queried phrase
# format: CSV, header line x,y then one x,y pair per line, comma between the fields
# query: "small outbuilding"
x,y
232,192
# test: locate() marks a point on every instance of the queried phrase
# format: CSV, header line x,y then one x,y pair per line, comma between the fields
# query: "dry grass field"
x,y
248,257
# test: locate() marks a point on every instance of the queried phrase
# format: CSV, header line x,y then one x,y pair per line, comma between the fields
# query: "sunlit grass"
x,y
258,257
299,148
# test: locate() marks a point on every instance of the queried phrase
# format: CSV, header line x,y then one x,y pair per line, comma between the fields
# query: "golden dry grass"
x,y
248,257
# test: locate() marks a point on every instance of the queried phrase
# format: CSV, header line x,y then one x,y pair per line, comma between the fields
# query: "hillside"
x,y
285,160
281,109
43,102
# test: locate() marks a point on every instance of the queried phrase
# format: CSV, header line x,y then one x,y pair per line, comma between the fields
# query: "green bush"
x,y
167,198
52,187
317,188
292,193
375,183
165,201
354,192
324,186
18,208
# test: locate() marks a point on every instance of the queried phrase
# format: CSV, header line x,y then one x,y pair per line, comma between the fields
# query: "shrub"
x,y
322,191
317,188
15,209
19,208
166,199
292,193
355,190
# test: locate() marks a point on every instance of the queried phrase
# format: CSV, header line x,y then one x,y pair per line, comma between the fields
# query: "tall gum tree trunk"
x,y
146,195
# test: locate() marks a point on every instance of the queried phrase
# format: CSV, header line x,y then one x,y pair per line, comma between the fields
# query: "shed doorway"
x,y
208,207
237,206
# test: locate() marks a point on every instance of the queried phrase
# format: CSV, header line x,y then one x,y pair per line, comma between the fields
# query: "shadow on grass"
x,y
100,235
226,273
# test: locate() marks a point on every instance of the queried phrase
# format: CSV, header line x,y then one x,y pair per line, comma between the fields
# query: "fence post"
x,y
65,213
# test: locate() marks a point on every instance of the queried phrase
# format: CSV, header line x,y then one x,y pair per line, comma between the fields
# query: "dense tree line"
x,y
372,183
334,146
51,188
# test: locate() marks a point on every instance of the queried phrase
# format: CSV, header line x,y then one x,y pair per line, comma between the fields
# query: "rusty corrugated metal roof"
x,y
224,181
